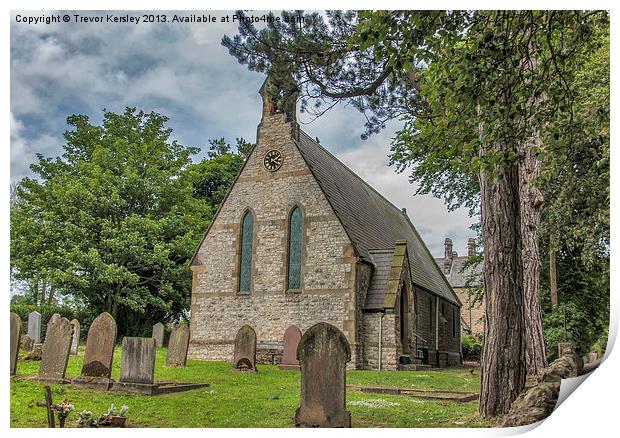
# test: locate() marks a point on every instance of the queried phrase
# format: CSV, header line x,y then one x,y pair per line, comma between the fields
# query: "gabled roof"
x,y
375,296
370,220
456,277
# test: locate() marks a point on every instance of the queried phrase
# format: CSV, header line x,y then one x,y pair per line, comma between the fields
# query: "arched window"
x,y
245,263
295,237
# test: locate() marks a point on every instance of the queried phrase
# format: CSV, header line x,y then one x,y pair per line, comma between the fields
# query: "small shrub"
x,y
472,347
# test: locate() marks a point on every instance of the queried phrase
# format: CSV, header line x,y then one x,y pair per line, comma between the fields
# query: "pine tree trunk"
x,y
503,366
553,275
531,200
50,298
35,292
43,289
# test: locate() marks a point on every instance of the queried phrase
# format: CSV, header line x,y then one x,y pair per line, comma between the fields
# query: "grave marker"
x,y
16,331
245,350
323,353
75,341
292,336
34,326
56,349
177,346
158,334
138,360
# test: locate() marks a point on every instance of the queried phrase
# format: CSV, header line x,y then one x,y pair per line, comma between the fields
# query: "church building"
x,y
300,239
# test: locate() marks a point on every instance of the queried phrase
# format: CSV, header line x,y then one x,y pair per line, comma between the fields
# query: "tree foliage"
x,y
113,222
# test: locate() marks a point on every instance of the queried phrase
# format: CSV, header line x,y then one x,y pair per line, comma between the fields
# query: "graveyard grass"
x,y
266,399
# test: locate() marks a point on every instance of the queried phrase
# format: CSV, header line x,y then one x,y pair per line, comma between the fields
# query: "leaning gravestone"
x,y
34,326
56,349
245,350
292,336
138,360
75,341
158,334
26,343
97,365
16,331
323,353
177,346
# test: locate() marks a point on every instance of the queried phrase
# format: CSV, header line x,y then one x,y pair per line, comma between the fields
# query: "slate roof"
x,y
455,277
370,220
375,297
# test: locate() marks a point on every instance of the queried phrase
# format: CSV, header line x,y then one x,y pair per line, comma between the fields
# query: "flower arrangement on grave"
x,y
111,418
86,419
62,410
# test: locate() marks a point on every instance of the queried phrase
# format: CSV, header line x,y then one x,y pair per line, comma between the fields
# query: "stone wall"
x,y
328,262
473,314
390,347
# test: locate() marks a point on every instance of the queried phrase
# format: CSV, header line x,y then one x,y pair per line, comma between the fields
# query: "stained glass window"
x,y
245,268
294,248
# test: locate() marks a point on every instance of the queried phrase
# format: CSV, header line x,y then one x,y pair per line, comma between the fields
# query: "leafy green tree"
x,y
112,222
476,91
211,178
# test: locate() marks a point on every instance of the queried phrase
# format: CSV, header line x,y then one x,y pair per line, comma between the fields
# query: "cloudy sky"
x,y
180,70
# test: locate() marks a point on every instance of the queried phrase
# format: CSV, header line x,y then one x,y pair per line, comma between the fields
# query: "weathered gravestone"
x,y
97,365
56,349
138,360
16,331
292,336
75,341
53,320
26,343
158,334
34,326
177,346
323,353
245,350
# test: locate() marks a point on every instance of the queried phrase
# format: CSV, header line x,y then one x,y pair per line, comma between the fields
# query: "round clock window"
x,y
272,160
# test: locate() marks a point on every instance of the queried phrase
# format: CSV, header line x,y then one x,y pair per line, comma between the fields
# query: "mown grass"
x,y
266,399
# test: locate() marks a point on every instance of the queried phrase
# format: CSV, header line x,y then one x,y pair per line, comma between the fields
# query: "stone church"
x,y
300,239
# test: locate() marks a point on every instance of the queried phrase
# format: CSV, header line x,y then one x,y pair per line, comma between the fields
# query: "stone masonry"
x,y
328,286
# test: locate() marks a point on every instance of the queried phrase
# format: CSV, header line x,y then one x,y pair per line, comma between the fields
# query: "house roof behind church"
x,y
370,220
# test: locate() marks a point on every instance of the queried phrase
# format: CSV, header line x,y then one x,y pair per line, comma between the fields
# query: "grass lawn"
x,y
266,399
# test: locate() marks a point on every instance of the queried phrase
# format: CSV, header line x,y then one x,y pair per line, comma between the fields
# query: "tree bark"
x,y
51,295
503,367
531,199
43,288
553,275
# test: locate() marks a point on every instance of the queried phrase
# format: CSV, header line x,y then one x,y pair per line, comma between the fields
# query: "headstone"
x,y
292,336
34,326
138,360
158,334
36,353
56,349
245,350
16,331
75,341
53,320
100,347
177,346
26,343
323,353
590,358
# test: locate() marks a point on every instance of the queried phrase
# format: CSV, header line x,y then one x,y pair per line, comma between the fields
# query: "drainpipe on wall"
x,y
437,330
380,338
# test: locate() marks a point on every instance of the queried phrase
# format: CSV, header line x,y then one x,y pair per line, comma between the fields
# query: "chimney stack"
x,y
471,247
448,248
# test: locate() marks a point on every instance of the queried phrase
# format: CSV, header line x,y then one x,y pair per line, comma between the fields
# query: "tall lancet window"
x,y
295,241
245,264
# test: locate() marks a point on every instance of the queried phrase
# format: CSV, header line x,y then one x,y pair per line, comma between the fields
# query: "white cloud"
x,y
182,71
